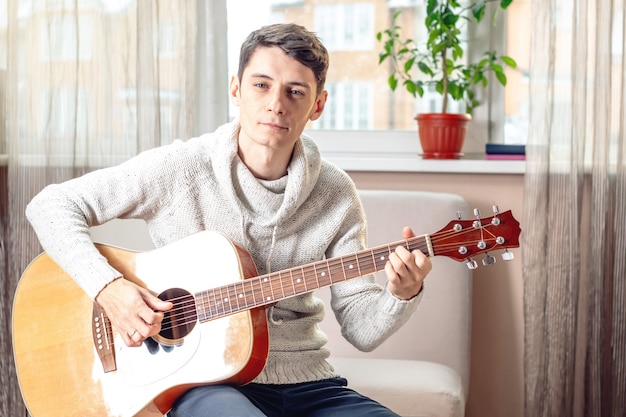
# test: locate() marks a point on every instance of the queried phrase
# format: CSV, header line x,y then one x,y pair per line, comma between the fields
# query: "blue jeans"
x,y
328,398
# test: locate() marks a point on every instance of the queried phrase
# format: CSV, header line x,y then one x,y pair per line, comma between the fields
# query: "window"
x,y
166,43
351,107
60,39
345,26
359,98
64,112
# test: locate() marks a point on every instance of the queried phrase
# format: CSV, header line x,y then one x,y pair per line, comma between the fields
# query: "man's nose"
x,y
277,102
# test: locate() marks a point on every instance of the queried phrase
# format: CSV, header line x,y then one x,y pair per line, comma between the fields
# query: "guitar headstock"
x,y
461,240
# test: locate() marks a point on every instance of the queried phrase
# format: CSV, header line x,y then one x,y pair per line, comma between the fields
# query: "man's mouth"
x,y
274,126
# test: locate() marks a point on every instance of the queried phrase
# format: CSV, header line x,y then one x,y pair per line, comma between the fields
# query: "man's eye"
x,y
260,85
297,93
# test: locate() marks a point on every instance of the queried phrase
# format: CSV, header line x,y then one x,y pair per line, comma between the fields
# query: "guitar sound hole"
x,y
181,319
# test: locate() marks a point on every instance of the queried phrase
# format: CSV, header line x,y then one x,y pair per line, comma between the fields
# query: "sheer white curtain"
x,y
574,231
86,84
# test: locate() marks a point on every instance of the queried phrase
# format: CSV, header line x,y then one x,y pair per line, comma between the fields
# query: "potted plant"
x,y
438,62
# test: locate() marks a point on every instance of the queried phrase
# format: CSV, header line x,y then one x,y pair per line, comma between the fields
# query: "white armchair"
x,y
423,369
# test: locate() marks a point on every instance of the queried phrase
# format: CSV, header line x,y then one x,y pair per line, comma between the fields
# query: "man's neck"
x,y
265,165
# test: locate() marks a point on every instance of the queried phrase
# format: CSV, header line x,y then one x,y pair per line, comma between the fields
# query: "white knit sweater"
x,y
201,184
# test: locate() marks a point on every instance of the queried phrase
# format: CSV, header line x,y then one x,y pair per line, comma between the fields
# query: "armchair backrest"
x,y
439,331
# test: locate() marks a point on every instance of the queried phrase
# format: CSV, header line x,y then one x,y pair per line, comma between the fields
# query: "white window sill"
x,y
378,151
469,164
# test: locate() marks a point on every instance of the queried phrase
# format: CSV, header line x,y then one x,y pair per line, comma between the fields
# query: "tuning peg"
x,y
488,260
471,264
495,220
507,256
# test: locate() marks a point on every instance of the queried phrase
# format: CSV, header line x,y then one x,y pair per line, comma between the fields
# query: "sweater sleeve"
x,y
63,231
61,214
366,311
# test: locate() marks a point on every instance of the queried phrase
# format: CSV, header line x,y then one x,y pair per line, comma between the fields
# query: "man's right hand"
x,y
133,310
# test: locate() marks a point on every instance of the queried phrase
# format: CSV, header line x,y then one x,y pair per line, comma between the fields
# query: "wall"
x,y
496,379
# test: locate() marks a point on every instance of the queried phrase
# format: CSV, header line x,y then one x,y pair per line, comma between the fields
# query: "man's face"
x,y
277,96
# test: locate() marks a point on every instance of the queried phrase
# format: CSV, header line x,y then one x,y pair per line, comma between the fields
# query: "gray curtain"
x,y
574,231
86,84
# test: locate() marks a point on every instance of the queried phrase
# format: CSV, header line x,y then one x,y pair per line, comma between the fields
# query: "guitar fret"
x,y
310,280
288,290
297,279
201,306
250,299
257,291
229,298
365,261
336,271
239,295
208,305
210,308
324,278
219,306
353,267
278,280
380,257
266,281
222,302
316,275
242,296
293,284
232,298
329,271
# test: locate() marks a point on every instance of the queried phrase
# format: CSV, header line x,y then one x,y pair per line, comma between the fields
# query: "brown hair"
x,y
297,42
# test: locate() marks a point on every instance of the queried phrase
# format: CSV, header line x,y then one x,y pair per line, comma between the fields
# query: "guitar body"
x,y
57,338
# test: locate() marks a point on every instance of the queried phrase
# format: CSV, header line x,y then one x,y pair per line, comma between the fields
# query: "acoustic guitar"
x,y
70,360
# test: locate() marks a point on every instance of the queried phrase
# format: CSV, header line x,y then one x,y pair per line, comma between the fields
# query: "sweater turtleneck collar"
x,y
238,182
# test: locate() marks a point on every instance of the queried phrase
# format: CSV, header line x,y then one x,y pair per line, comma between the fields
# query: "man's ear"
x,y
319,105
234,90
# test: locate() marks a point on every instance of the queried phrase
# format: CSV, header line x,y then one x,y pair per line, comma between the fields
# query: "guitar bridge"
x,y
103,340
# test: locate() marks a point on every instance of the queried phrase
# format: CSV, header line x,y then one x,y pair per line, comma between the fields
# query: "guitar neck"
x,y
273,287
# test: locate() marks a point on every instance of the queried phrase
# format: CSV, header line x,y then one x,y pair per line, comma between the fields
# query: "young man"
x,y
263,184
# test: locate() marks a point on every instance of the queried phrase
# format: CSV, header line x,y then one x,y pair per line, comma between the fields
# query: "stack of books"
x,y
505,151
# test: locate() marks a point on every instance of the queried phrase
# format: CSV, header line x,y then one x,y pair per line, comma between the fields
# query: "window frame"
x,y
487,125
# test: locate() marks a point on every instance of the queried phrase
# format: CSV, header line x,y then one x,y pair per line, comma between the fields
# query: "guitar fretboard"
x,y
273,287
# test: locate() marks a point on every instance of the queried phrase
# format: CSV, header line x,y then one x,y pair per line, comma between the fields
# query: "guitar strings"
x,y
222,310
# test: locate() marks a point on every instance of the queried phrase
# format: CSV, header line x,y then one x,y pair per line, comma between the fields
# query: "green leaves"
x,y
439,60
509,61
478,10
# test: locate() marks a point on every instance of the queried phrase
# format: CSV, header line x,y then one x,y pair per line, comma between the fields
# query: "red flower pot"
x,y
442,134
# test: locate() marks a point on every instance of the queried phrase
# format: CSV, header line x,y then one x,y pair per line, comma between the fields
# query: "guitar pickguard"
x,y
144,370
138,366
